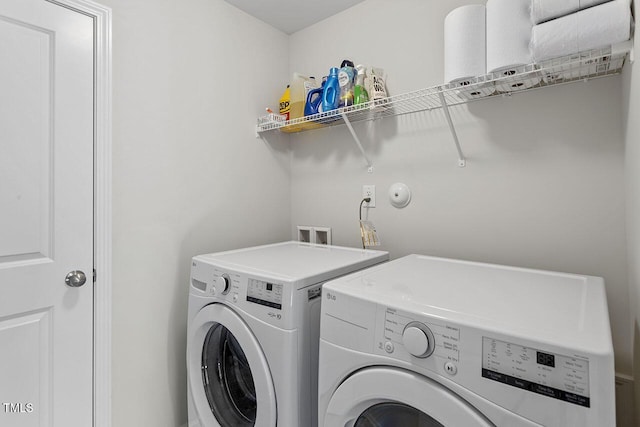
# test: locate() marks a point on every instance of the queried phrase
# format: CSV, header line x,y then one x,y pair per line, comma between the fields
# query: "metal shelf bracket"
x,y
462,162
357,141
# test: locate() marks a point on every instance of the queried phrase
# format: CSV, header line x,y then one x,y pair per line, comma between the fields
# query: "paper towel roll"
x,y
508,35
476,91
465,43
545,10
515,85
592,28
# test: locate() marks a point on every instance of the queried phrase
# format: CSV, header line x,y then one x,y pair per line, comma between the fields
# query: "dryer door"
x,y
391,397
229,378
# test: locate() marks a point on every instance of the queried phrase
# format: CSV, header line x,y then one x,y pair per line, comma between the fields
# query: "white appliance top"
x,y
545,306
300,263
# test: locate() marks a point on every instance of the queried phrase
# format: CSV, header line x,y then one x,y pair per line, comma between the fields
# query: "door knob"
x,y
75,279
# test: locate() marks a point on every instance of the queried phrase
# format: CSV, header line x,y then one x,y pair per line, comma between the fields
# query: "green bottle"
x,y
360,94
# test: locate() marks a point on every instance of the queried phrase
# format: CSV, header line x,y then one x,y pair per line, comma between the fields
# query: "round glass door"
x,y
393,414
227,379
393,397
230,382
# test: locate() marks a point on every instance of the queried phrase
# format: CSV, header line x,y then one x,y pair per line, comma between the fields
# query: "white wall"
x,y
189,177
543,187
544,182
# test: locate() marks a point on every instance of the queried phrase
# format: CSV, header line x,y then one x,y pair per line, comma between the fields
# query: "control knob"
x,y
223,282
417,338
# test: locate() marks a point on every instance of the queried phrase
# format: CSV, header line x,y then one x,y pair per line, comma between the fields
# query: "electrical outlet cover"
x,y
369,191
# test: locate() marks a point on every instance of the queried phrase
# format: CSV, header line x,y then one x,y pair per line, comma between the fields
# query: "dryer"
x,y
431,342
253,331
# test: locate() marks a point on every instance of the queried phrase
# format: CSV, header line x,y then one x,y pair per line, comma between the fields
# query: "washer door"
x,y
391,397
229,377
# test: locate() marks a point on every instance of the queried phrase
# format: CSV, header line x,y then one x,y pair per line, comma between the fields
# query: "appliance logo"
x,y
274,315
331,296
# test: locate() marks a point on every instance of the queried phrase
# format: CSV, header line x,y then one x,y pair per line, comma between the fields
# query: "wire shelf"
x,y
572,68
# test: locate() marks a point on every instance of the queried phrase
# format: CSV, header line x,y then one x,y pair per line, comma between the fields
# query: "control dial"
x,y
223,283
417,338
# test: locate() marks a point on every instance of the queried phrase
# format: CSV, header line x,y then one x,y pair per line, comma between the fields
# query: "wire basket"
x,y
271,121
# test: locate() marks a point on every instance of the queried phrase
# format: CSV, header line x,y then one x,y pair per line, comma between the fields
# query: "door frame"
x,y
102,225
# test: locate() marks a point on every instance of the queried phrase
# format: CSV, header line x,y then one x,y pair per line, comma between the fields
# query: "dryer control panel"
x,y
265,293
441,340
553,375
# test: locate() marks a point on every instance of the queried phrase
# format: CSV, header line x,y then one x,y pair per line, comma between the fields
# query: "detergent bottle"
x,y
300,87
360,94
346,77
314,101
285,103
331,91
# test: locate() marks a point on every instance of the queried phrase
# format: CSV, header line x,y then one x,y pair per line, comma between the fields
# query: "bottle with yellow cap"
x,y
285,103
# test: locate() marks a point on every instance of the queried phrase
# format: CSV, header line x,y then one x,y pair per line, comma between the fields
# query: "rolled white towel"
x,y
546,10
592,28
477,91
508,35
465,47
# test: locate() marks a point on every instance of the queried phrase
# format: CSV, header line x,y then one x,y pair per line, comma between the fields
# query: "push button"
x,y
450,368
388,347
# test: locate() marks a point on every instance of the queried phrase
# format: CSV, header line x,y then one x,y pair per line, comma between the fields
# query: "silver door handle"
x,y
75,279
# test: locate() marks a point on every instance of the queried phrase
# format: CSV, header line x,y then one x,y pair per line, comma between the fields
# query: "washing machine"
x,y
253,331
432,342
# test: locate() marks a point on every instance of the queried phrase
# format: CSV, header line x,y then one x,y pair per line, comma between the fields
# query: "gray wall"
x,y
189,178
544,182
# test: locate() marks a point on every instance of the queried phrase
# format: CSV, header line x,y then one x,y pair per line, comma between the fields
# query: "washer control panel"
x,y
421,338
553,375
418,339
265,293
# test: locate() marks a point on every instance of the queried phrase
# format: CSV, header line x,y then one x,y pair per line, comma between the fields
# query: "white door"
x,y
46,215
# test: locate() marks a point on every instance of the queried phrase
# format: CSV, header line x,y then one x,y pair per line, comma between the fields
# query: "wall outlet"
x,y
317,235
369,191
305,234
323,235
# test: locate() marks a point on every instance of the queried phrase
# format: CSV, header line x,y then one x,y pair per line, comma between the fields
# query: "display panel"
x,y
546,359
552,375
265,293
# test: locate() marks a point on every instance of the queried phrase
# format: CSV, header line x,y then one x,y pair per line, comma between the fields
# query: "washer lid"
x,y
540,305
303,263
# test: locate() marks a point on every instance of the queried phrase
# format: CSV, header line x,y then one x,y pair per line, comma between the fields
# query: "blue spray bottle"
x,y
331,92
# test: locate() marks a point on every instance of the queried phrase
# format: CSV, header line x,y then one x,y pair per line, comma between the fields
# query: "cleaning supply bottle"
x,y
285,103
346,77
331,91
300,87
314,101
360,94
376,86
